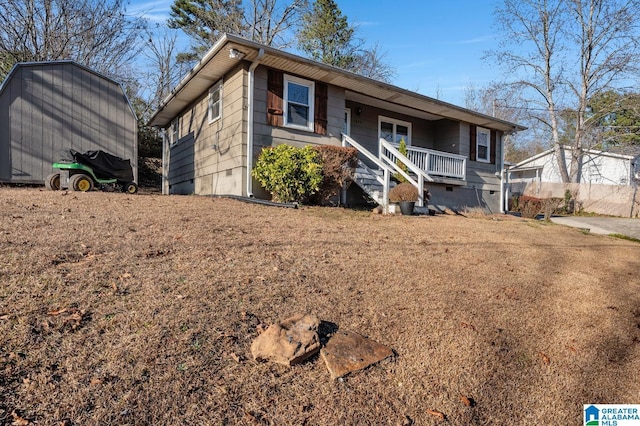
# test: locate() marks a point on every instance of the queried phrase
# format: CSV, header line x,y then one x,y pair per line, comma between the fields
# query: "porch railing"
x,y
434,163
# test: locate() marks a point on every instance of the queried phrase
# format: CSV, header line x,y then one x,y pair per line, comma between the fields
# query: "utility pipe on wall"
x,y
503,209
250,98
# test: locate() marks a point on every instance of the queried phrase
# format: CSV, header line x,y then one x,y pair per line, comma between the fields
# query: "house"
x,y
243,96
46,107
607,184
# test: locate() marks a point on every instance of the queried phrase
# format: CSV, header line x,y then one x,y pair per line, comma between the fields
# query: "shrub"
x,y
404,151
289,173
530,207
403,192
338,165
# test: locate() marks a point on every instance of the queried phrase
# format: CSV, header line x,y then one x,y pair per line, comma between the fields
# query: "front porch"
x,y
422,165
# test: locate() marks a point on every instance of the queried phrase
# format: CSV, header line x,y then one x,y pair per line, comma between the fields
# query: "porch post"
x,y
385,191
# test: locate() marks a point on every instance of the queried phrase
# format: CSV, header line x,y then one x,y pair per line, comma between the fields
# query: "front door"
x,y
393,130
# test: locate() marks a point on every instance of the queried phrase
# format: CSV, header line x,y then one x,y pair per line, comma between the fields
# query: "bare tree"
x,y
565,52
505,102
162,70
371,62
271,23
95,33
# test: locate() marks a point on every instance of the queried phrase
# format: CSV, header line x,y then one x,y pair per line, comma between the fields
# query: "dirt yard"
x,y
141,309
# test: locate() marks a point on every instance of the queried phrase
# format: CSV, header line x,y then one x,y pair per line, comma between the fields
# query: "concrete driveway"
x,y
602,225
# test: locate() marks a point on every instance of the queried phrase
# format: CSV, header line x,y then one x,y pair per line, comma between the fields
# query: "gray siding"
x,y
47,107
266,135
210,157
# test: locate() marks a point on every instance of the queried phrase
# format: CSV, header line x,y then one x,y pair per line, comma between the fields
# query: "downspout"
x,y
502,176
164,184
252,69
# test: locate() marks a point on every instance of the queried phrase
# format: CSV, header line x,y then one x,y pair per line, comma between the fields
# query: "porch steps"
x,y
370,181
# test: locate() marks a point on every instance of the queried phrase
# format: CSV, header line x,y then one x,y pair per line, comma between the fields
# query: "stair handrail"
x,y
420,174
346,141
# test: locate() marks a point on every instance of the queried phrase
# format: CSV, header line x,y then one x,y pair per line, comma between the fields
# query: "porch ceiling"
x,y
359,89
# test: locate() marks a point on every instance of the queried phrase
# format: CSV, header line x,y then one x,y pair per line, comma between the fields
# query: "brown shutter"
x,y
275,91
320,109
492,152
472,142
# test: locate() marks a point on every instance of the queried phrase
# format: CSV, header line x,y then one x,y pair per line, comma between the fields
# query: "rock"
x,y
290,342
347,351
377,210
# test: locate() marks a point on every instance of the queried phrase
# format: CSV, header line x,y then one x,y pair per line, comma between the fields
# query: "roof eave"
x,y
328,74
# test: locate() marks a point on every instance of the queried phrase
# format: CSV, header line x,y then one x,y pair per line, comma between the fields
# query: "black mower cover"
x,y
104,165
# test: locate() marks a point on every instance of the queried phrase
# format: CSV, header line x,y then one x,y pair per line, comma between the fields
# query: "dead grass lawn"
x,y
140,310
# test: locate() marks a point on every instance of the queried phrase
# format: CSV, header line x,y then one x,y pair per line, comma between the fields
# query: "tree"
x,y
617,115
326,36
505,102
565,53
371,63
94,33
271,24
205,21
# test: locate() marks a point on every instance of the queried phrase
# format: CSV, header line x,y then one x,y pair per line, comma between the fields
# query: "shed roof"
x,y
17,65
218,61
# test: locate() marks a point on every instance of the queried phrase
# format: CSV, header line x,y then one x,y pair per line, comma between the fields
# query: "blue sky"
x,y
436,47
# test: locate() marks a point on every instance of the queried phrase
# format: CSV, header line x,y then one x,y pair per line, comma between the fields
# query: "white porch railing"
x,y
433,163
421,165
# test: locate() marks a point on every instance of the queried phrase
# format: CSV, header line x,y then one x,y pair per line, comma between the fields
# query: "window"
x,y
298,100
215,102
483,145
393,130
174,134
346,126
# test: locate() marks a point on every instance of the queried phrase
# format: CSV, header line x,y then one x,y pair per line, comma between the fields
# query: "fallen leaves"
x,y
545,358
57,312
436,413
469,402
469,326
73,318
19,421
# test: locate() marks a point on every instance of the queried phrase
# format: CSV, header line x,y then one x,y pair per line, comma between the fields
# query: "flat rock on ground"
x,y
347,351
289,342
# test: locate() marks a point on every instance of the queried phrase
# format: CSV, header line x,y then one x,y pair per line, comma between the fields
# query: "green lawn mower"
x,y
93,169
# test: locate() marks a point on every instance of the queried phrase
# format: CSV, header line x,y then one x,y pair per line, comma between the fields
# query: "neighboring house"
x,y
46,107
243,96
608,180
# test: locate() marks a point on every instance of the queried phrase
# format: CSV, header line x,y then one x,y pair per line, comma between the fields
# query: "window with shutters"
x,y
298,103
483,145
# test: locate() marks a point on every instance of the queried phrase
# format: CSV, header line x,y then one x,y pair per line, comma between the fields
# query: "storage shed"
x,y
46,107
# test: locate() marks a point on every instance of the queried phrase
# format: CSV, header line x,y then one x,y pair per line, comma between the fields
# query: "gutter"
x,y
252,69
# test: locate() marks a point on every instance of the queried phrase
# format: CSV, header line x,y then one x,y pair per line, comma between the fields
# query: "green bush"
x,y
289,173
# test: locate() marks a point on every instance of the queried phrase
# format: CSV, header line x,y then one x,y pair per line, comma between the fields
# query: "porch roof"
x,y
218,61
